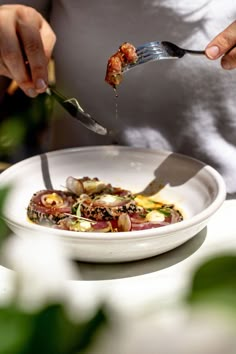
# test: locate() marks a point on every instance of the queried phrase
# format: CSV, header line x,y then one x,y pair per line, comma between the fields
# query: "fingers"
x,y
224,45
34,54
37,39
12,62
24,50
48,39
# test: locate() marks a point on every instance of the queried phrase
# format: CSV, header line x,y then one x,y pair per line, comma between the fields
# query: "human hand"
x,y
26,45
224,44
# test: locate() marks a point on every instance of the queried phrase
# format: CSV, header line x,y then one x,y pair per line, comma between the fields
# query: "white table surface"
x,y
161,279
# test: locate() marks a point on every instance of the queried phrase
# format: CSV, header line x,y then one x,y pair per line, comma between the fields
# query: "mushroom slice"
x,y
124,222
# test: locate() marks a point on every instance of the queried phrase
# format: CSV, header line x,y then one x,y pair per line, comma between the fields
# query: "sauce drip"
x,y
116,103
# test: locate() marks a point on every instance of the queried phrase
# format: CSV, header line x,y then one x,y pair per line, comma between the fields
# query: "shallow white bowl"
x,y
195,188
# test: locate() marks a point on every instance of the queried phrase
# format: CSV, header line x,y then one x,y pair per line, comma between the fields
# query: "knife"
x,y
72,106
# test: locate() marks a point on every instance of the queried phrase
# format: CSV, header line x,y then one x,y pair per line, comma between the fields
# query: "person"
x,y
186,106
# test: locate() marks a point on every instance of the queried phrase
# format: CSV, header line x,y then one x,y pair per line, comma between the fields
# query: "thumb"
x,y
222,43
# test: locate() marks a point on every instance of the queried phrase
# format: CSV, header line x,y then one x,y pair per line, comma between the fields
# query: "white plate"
x,y
195,188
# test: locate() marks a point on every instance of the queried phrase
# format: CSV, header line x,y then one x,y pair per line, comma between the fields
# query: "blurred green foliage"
x,y
214,283
23,122
49,331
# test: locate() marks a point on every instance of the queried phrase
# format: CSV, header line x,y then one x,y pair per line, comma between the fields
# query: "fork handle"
x,y
195,52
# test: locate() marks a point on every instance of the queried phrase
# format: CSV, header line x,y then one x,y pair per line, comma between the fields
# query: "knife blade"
x,y
72,106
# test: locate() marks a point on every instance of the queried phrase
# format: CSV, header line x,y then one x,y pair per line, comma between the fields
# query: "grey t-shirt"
x,y
186,105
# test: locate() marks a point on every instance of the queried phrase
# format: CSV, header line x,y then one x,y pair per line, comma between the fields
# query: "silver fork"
x,y
158,50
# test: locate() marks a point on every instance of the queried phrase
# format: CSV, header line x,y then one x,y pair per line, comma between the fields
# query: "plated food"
x,y
91,205
125,55
194,188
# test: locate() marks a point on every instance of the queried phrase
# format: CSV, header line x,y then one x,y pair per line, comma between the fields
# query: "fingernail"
x,y
213,52
31,92
226,65
40,84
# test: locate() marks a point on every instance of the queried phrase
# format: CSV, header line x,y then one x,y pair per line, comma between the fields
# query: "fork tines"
x,y
149,51
149,46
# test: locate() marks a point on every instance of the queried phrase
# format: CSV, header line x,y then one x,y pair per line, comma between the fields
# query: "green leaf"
x,y
12,133
50,331
166,211
54,333
86,332
4,230
214,283
15,330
